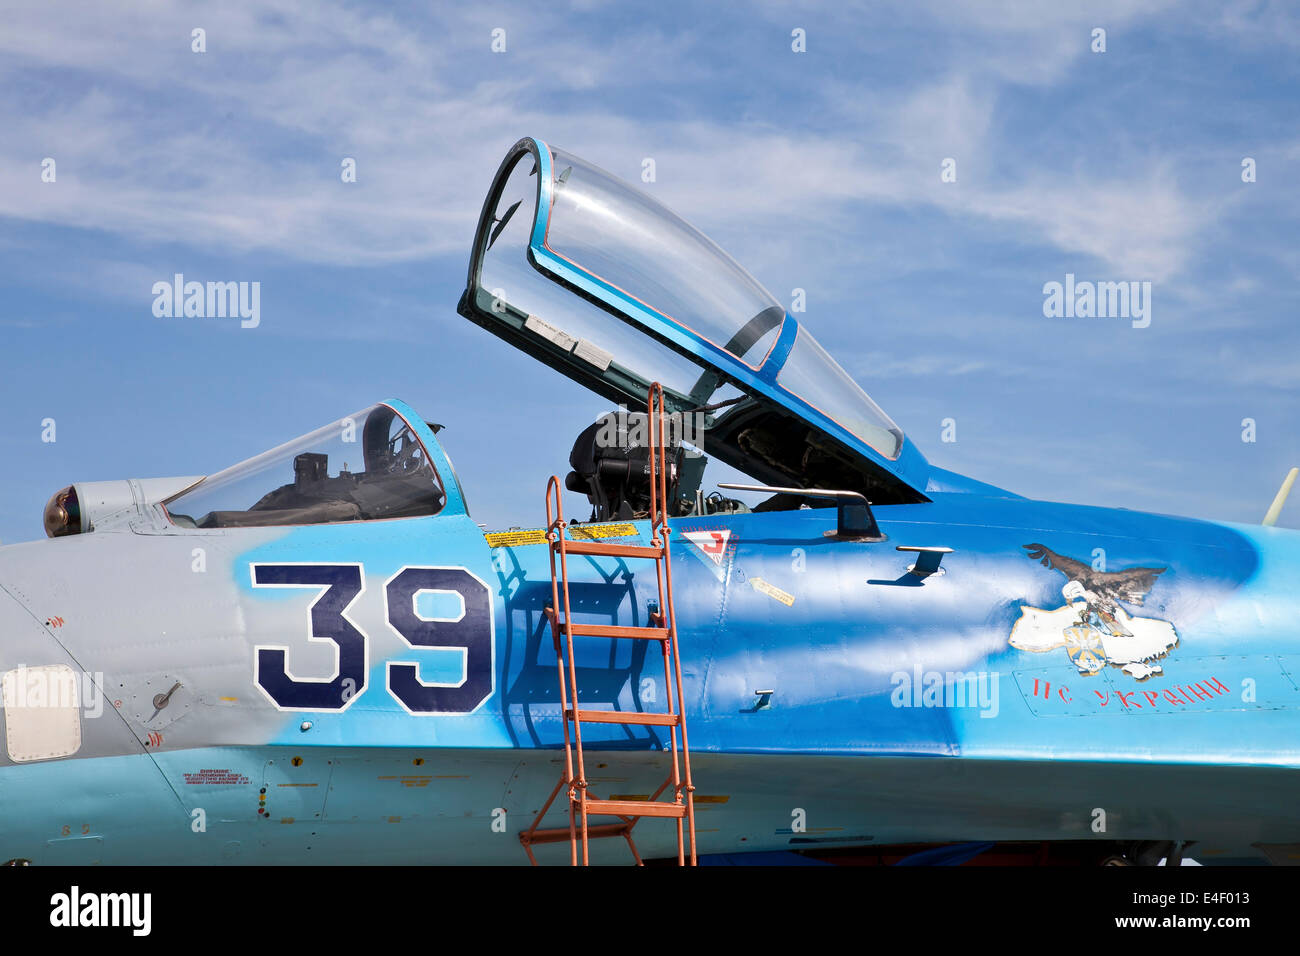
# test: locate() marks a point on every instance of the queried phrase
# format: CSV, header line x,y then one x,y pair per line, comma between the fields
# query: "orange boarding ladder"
x,y
583,804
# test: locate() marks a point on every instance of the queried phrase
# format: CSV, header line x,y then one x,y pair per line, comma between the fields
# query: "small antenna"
x,y
1275,508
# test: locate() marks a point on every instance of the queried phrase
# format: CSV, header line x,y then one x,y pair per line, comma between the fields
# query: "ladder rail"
x,y
659,536
664,576
556,526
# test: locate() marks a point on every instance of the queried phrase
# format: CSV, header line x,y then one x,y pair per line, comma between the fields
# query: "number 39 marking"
x,y
339,586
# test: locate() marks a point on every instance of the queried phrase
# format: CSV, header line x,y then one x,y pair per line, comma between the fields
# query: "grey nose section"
x,y
52,706
43,694
25,638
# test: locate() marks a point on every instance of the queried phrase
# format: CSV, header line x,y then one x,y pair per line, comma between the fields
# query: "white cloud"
x,y
238,149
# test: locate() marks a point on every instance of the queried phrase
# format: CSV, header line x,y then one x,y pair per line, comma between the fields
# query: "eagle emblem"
x,y
1094,626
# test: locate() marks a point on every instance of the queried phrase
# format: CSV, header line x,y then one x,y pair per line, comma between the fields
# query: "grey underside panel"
x,y
382,807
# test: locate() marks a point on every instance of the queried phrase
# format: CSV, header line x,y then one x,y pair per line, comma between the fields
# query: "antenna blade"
x,y
1275,508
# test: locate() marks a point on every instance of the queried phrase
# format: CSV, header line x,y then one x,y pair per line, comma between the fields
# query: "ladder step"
x,y
619,630
561,834
636,808
625,717
609,550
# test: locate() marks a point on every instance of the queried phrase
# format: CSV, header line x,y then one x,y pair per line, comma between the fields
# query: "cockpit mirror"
x,y
854,519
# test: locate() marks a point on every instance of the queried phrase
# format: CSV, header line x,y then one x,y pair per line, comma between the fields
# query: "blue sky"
x,y
817,170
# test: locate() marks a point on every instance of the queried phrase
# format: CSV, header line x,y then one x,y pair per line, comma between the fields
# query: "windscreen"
x,y
632,242
362,467
811,374
552,318
638,246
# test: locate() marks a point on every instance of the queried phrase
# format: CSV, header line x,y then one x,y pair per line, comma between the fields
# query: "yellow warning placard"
x,y
515,539
772,591
603,531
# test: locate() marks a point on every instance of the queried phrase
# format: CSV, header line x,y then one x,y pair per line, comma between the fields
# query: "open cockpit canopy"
x,y
605,284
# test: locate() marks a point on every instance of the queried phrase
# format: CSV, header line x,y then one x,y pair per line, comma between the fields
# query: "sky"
x,y
921,170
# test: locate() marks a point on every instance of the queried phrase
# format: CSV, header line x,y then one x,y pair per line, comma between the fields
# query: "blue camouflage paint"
x,y
856,622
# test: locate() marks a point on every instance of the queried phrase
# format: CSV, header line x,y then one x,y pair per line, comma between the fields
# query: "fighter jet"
x,y
316,655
